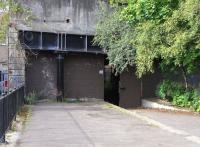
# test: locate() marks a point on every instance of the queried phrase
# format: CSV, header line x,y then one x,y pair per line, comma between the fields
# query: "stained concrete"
x,y
4,54
41,75
52,15
92,124
81,75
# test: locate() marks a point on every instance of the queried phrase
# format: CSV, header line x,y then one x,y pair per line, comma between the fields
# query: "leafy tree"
x,y
148,30
10,8
184,27
113,35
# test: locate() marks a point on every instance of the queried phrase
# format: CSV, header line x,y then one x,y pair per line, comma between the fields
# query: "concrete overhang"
x,y
60,16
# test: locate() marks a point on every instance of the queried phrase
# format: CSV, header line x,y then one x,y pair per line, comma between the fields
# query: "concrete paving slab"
x,y
182,121
93,124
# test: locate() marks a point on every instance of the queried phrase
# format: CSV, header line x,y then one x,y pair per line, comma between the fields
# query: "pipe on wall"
x,y
60,77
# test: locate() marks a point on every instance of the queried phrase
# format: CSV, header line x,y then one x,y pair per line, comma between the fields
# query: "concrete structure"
x,y
4,54
71,16
71,23
41,74
62,60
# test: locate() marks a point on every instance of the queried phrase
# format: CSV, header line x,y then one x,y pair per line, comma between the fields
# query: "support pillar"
x,y
60,77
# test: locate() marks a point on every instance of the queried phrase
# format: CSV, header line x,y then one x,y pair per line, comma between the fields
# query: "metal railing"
x,y
10,104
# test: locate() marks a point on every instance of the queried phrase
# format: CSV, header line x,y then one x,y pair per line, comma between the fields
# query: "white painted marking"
x,y
193,139
150,121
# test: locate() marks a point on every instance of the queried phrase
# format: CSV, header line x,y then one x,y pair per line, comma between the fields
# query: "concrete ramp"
x,y
92,124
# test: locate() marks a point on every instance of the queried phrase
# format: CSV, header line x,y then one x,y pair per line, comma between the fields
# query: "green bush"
x,y
182,100
195,102
31,98
175,92
162,88
168,89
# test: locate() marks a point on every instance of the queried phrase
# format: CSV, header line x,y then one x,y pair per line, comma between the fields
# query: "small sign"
x,y
101,72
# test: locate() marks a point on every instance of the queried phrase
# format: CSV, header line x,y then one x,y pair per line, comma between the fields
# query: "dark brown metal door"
x,y
83,76
129,89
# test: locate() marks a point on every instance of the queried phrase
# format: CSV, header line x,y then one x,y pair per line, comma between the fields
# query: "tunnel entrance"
x,y
111,88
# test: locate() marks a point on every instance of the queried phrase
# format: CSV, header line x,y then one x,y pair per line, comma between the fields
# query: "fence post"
x,y
3,138
10,106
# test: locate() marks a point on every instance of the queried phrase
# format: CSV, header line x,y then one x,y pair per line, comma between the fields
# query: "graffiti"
x,y
3,81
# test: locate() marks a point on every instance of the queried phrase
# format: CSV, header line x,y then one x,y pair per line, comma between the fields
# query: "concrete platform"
x,y
93,124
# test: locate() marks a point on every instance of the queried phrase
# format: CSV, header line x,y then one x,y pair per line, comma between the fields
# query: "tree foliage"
x,y
7,9
144,31
113,35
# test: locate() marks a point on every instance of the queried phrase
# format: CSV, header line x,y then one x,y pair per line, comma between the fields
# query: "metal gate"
x,y
129,89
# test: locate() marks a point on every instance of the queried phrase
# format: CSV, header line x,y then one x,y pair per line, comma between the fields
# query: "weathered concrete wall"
x,y
17,61
84,76
81,75
62,16
41,75
82,15
3,54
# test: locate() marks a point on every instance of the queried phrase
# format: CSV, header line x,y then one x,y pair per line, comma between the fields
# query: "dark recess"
x,y
90,44
32,39
75,42
49,41
111,82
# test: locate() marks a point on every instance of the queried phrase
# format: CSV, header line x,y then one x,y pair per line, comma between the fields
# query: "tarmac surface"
x,y
98,124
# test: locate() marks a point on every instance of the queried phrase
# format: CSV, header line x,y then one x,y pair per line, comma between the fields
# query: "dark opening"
x,y
49,41
21,37
67,20
90,44
32,40
1,84
111,82
1,76
75,42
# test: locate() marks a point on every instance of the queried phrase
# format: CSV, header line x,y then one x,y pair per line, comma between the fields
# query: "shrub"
x,y
176,93
31,98
162,89
168,89
195,102
182,100
177,89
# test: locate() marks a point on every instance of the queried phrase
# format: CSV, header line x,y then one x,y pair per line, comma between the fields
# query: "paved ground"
x,y
96,125
182,121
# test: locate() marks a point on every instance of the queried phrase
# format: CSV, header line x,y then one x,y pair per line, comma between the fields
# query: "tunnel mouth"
x,y
111,85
